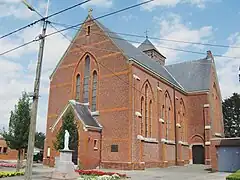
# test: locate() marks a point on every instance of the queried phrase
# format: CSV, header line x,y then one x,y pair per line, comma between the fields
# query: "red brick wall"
x,y
10,155
114,114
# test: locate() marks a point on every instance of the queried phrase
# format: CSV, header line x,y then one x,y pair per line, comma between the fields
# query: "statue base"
x,y
64,167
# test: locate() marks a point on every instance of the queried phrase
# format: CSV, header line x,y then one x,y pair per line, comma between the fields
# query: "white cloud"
x,y
172,3
227,69
171,27
128,17
99,3
16,77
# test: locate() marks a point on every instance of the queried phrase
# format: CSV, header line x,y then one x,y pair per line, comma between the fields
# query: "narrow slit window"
x,y
78,87
94,92
88,30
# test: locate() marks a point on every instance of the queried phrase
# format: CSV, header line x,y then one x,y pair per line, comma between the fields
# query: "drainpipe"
x,y
100,149
204,133
175,122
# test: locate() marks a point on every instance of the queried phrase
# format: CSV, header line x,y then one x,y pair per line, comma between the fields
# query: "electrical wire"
x,y
43,18
99,17
159,39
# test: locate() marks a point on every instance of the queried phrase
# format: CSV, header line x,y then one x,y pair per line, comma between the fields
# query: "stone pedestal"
x,y
64,168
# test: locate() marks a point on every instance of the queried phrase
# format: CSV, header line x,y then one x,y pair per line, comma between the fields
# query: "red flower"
x,y
98,173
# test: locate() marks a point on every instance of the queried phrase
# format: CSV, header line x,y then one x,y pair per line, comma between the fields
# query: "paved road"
x,y
190,172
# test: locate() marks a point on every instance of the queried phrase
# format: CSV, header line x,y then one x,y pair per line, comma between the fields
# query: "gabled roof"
x,y
147,45
83,113
192,75
133,53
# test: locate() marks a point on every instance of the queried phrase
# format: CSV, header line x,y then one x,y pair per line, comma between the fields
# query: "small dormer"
x,y
148,48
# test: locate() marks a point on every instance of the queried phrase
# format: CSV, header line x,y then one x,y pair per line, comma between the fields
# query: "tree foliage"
x,y
17,135
68,123
39,140
231,115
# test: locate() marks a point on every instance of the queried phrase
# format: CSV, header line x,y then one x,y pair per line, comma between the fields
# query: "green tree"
x,y
70,125
231,115
17,135
39,140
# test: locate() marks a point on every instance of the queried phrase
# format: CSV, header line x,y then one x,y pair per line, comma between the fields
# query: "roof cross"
x,y
90,12
146,32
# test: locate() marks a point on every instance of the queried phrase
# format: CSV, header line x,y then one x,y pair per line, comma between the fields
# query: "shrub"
x,y
234,176
10,174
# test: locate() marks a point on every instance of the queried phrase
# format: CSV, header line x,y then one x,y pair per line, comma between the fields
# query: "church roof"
x,y
186,76
147,45
192,75
135,54
83,113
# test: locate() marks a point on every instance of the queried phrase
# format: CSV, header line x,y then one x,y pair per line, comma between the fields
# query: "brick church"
x,y
132,110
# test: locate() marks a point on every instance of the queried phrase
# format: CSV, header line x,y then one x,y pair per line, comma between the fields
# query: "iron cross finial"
x,y
90,12
146,32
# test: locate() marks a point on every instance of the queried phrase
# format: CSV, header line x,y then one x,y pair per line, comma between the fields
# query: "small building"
x,y
225,154
5,152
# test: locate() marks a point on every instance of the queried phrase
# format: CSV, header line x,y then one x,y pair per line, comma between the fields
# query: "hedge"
x,y
234,176
10,174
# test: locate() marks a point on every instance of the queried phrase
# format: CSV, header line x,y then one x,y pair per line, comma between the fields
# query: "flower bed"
x,y
10,174
99,173
7,165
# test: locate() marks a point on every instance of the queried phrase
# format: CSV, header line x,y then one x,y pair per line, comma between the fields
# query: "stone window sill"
x,y
165,141
95,113
145,139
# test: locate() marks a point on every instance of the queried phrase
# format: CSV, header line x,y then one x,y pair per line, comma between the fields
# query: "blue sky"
x,y
205,21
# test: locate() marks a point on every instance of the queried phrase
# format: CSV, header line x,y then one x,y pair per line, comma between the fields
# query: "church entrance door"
x,y
198,154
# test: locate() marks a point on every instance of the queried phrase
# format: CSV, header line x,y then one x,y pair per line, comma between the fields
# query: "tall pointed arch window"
x,y
150,118
86,80
146,110
142,103
77,96
94,91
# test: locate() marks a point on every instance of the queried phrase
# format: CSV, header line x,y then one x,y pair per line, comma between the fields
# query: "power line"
x,y
106,15
20,29
164,47
18,47
159,39
103,16
35,22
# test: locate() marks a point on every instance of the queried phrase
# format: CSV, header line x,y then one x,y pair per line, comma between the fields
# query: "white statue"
x,y
66,140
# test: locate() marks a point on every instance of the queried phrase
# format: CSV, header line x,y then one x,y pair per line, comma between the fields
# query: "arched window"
x,y
94,91
86,80
150,118
146,110
142,102
78,87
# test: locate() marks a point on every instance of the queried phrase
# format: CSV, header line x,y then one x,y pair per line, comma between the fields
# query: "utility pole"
x,y
32,129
